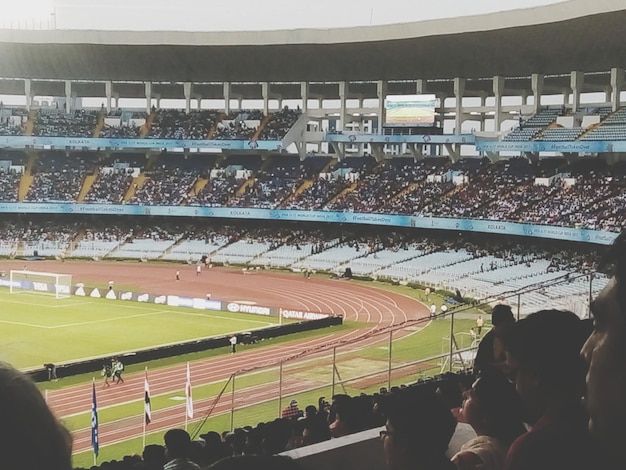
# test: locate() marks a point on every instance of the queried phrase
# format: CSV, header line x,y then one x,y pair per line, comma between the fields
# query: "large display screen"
x,y
410,110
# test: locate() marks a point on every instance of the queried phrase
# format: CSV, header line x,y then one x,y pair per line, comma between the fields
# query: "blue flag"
x,y
94,422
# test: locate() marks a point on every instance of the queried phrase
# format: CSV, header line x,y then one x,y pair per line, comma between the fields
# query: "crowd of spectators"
x,y
513,190
180,125
59,177
279,124
55,123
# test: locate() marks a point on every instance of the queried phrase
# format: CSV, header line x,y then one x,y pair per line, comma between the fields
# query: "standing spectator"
x,y
198,269
117,368
479,324
491,353
178,450
543,353
233,344
605,351
107,374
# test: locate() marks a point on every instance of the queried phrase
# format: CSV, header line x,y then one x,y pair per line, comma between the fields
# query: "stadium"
x,y
346,202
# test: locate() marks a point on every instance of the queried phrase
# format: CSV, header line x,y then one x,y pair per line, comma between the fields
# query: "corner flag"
x,y
94,421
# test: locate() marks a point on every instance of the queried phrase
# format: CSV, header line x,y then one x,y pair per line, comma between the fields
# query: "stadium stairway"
x,y
27,177
87,183
262,125
136,184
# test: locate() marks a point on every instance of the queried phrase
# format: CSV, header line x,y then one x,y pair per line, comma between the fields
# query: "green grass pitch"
x,y
36,329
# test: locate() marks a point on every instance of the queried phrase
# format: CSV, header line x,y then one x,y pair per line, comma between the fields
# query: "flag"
x,y
146,406
188,395
94,421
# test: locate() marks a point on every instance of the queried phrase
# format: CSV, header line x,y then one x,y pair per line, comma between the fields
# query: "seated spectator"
x,y
543,353
178,450
494,410
605,351
418,430
32,438
490,353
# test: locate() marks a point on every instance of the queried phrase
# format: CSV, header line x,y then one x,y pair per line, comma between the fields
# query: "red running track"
x,y
377,307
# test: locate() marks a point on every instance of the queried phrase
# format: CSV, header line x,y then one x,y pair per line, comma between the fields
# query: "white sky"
x,y
238,15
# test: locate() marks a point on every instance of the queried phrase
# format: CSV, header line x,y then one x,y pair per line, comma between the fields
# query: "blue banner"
x,y
358,138
590,146
391,220
21,142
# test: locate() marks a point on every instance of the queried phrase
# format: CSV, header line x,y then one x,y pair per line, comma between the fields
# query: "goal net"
x,y
57,285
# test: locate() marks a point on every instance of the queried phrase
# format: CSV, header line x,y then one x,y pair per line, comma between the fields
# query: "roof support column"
x,y
108,91
28,92
459,90
343,93
68,96
187,93
381,92
227,97
536,82
265,93
148,90
498,91
304,95
577,80
483,104
617,82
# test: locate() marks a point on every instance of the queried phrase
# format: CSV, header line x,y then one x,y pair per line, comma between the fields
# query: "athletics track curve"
x,y
379,308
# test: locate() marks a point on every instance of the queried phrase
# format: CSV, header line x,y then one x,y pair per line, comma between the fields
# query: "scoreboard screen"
x,y
410,110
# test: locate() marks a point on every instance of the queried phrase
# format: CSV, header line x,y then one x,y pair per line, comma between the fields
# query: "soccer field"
x,y
37,329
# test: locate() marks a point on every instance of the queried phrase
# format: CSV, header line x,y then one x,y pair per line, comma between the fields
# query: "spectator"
x,y
543,354
605,351
493,408
178,450
418,430
32,438
490,353
292,410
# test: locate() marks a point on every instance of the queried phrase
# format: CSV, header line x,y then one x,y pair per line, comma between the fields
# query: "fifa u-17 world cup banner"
x,y
105,143
389,220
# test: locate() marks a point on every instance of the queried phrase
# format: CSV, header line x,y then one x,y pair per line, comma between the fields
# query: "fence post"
x,y
519,305
232,405
334,369
280,388
451,341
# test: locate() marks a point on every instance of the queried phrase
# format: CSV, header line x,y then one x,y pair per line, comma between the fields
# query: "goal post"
x,y
54,284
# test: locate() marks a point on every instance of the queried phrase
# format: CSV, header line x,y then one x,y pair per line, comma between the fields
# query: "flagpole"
x,y
143,443
187,397
95,441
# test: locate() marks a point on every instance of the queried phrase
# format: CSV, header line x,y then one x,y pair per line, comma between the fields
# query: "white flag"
x,y
188,395
147,409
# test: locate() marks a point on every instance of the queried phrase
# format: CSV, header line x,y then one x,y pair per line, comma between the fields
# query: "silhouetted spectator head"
x,y
32,438
419,428
543,356
605,351
154,456
177,444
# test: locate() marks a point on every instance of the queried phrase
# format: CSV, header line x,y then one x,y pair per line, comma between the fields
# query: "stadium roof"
x,y
553,39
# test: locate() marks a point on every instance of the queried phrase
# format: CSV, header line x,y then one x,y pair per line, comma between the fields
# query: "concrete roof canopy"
x,y
553,39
